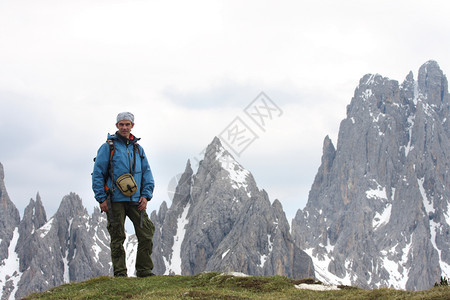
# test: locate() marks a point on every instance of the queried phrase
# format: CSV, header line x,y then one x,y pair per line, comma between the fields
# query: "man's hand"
x,y
142,204
104,206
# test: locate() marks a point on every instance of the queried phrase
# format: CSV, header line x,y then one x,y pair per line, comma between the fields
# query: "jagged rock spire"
x,y
9,218
377,213
9,221
220,221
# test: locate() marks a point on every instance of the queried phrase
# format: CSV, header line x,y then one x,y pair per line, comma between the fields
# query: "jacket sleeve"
x,y
100,173
148,183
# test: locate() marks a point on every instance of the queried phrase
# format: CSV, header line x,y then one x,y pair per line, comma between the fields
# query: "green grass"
x,y
218,286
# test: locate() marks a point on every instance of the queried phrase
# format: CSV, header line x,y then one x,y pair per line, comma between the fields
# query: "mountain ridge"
x,y
212,205
379,200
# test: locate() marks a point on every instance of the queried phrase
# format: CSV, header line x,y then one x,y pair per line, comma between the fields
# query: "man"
x,y
123,184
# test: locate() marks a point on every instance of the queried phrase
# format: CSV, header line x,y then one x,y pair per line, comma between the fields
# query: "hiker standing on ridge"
x,y
123,184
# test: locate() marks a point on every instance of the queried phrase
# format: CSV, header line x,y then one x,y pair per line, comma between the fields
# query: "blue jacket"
x,y
122,163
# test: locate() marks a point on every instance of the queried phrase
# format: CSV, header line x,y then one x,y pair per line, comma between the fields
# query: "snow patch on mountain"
x,y
409,147
173,266
321,270
398,273
367,94
447,215
264,257
225,253
237,174
131,251
66,267
46,228
329,247
378,193
427,203
9,267
382,218
316,287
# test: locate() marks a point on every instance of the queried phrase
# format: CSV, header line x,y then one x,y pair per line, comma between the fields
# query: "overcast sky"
x,y
187,70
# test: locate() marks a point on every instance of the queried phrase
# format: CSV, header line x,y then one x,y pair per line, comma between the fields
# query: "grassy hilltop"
x,y
218,286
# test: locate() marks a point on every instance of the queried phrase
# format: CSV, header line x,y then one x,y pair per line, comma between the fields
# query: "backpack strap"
x,y
136,150
109,192
112,149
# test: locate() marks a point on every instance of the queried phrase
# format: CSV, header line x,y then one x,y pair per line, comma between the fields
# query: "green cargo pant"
x,y
116,229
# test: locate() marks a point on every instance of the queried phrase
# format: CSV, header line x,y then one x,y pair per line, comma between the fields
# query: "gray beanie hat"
x,y
125,116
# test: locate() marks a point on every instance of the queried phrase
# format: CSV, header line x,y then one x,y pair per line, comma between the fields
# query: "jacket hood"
x,y
118,137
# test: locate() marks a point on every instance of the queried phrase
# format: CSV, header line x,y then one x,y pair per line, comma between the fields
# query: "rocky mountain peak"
x,y
433,85
71,205
36,254
277,205
213,221
215,153
328,156
374,92
9,218
410,77
71,246
33,218
329,153
377,213
218,163
216,143
35,211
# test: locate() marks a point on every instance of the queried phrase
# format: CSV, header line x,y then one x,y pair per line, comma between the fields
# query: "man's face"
x,y
125,128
